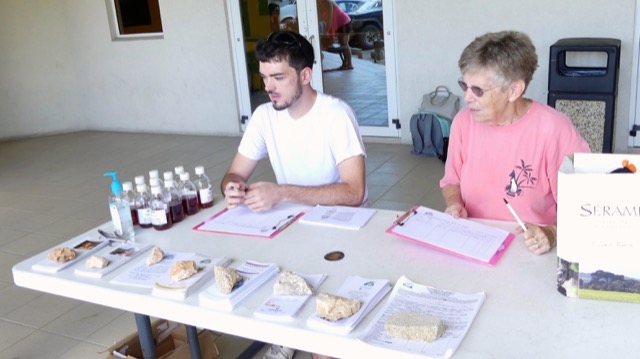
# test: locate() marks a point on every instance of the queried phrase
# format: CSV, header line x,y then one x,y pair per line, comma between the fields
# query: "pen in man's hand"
x,y
515,215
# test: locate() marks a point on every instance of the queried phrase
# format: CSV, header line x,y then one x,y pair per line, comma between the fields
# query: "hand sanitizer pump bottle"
x,y
120,209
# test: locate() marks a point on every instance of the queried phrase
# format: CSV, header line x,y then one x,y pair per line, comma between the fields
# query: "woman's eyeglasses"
x,y
479,92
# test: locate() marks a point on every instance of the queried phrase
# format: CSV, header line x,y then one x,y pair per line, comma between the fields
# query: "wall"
x,y
60,71
430,44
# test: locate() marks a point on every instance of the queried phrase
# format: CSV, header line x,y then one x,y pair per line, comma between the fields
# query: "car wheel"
x,y
370,34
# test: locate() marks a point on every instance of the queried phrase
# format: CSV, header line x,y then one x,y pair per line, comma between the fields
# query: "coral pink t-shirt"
x,y
338,20
517,162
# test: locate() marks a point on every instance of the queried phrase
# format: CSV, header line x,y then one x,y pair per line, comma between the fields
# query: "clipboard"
x,y
464,238
243,221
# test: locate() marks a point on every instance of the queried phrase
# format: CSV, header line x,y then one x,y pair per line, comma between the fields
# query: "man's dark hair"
x,y
286,46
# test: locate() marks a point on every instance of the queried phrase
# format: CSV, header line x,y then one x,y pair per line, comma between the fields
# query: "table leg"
x,y
146,336
194,343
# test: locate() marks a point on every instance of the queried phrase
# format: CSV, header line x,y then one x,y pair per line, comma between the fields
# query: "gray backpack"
x,y
430,127
430,134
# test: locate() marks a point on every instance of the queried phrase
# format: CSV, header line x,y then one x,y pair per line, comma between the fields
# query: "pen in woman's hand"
x,y
515,215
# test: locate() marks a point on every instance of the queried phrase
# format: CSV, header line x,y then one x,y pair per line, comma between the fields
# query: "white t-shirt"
x,y
306,151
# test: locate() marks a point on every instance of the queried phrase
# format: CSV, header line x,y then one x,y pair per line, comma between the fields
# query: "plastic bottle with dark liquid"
x,y
143,206
189,194
175,200
205,190
160,215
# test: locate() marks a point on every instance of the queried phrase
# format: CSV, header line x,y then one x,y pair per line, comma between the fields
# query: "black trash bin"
x,y
585,93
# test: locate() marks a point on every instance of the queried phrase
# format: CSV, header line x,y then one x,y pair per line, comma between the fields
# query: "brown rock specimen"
x,y
182,270
62,254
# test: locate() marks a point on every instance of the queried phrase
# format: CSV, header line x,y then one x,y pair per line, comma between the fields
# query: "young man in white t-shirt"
x,y
311,139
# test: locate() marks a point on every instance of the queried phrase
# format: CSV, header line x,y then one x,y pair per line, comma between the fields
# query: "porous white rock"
x,y
334,307
156,256
289,283
97,262
226,278
414,326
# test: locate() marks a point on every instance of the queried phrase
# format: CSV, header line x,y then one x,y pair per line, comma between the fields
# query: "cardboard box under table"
x,y
599,228
171,343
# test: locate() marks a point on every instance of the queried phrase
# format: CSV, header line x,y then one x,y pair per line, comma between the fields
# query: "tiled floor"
x,y
52,188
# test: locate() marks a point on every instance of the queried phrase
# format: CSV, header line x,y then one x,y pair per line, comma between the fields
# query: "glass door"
x,y
357,66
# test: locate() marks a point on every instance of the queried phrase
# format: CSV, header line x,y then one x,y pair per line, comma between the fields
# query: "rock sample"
x,y
97,262
182,270
333,307
289,283
414,326
226,278
62,254
156,256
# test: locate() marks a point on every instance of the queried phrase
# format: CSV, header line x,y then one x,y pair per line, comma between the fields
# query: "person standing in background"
x,y
335,25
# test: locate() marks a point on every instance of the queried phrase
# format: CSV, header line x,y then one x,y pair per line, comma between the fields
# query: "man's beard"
x,y
293,99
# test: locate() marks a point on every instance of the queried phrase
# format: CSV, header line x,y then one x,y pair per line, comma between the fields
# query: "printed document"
x,y
456,311
144,276
368,291
338,216
287,307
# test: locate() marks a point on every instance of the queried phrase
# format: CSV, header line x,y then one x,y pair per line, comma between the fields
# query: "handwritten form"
x,y
456,235
242,220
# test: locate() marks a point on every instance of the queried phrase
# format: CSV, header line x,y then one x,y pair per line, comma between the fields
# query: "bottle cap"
x,y
167,175
141,187
184,176
153,174
156,189
127,186
155,181
168,183
178,169
116,186
139,180
199,170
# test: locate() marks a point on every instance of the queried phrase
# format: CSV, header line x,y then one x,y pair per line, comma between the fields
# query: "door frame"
x,y
634,98
308,27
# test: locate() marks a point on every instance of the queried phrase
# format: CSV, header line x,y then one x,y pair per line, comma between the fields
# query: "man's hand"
x,y
262,196
234,194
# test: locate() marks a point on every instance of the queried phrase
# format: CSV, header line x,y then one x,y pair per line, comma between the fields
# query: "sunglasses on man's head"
x,y
284,38
479,92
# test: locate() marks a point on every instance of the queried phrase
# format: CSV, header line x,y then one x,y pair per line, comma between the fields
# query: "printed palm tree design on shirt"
x,y
521,177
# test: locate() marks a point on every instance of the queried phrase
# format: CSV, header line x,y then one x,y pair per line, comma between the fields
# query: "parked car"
x,y
367,25
350,6
289,16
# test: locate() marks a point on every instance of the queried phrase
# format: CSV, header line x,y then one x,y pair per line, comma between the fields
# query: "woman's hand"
x,y
539,239
456,210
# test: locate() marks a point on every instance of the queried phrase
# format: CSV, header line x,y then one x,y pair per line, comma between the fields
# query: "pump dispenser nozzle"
x,y
116,186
